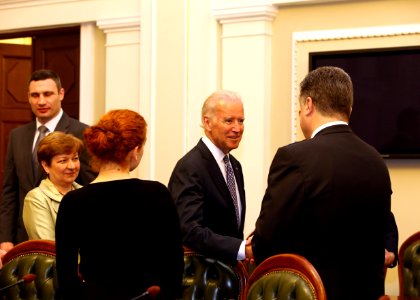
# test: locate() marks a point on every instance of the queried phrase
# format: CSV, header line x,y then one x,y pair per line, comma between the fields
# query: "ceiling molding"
x,y
280,3
118,24
244,13
15,4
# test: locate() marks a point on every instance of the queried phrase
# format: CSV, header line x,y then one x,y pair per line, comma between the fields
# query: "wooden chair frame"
x,y
239,269
35,257
407,243
288,262
32,246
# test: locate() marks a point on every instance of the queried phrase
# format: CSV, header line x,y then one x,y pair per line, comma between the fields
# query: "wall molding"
x,y
245,13
280,3
14,4
351,33
303,41
119,24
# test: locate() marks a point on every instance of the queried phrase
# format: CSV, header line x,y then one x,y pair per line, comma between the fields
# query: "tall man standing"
x,y
21,173
328,197
207,183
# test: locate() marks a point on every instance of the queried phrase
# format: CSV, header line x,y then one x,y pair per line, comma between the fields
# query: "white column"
x,y
122,67
92,73
246,61
122,71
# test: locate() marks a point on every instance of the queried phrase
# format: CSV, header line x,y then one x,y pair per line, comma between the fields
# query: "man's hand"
x,y
6,246
248,250
2,253
389,258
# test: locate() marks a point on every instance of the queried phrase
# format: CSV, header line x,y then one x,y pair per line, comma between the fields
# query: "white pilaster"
x,y
122,67
92,73
246,38
122,72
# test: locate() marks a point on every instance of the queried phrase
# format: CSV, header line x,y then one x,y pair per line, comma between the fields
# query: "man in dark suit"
x,y
212,220
45,94
328,197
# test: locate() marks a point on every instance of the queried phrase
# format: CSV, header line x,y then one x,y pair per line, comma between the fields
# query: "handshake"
x,y
2,253
248,249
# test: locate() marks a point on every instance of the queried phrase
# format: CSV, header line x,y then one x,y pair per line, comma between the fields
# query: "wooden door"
x,y
56,49
15,69
59,50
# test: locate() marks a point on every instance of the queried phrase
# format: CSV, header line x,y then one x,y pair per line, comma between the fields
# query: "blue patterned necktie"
x,y
230,181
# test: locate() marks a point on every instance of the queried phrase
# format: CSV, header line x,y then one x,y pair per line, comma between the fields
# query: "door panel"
x,y
15,69
60,52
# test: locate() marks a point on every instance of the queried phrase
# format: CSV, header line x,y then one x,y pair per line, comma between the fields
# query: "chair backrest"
x,y
208,278
31,257
285,276
409,266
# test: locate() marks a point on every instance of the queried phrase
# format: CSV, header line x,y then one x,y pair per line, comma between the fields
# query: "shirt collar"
x,y
216,152
329,124
51,124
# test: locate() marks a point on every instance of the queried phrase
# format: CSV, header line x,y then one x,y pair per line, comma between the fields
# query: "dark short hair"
x,y
44,74
57,143
115,135
331,91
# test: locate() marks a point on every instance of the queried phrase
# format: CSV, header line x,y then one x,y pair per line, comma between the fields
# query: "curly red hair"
x,y
115,135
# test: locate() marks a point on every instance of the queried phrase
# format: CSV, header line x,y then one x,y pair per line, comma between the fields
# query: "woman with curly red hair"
x,y
125,229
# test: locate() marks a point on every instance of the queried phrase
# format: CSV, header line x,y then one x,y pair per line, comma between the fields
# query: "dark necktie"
x,y
42,132
230,181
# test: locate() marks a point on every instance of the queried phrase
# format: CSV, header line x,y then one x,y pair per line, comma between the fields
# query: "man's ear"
x,y
307,106
206,123
61,94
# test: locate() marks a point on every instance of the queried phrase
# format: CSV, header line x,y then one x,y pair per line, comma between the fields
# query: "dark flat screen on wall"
x,y
386,108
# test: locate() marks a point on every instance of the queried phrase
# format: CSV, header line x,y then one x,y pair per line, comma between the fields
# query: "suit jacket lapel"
x,y
239,182
63,124
214,170
26,141
219,180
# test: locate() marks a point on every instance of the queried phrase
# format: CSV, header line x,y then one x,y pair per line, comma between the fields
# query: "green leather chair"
x,y
35,257
210,279
409,266
285,277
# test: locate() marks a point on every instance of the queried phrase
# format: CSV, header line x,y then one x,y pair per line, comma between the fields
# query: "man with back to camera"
x,y
328,197
212,219
21,173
